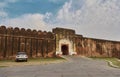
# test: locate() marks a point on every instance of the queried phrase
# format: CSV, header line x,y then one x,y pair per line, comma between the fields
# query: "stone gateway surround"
x,y
64,41
60,41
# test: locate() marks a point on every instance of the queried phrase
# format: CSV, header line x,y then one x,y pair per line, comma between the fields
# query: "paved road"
x,y
76,67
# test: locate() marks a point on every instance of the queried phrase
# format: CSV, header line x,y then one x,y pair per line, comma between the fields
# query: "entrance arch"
x,y
65,49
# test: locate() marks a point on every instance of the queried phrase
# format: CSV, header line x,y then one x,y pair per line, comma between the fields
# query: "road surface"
x,y
75,67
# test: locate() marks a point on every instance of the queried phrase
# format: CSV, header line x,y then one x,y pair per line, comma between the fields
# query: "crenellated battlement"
x,y
60,41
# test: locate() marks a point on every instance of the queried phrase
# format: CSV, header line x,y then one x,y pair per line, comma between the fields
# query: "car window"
x,y
21,53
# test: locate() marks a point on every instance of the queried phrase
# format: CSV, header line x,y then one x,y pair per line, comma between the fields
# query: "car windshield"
x,y
21,53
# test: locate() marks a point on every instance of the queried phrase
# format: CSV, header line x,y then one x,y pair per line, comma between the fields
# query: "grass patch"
x,y
45,59
114,61
31,61
2,66
1,61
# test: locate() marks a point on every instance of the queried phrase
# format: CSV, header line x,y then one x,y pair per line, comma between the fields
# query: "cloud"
x,y
54,1
11,1
92,18
64,13
57,1
3,5
3,14
32,21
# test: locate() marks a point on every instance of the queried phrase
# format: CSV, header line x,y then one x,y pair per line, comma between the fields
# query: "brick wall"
x,y
97,47
35,43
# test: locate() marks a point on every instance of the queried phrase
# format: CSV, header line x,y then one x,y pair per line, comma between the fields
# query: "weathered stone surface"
x,y
35,43
60,41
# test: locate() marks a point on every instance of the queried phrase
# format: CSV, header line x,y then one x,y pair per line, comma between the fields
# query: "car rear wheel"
x,y
26,60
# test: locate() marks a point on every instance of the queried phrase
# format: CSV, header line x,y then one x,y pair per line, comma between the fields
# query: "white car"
x,y
21,56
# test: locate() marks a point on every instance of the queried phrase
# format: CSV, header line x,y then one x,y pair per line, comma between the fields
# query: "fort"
x,y
60,41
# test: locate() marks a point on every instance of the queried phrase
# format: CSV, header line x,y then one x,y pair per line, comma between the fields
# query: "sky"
x,y
90,18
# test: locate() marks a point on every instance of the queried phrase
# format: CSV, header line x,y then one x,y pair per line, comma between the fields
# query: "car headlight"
x,y
17,56
26,56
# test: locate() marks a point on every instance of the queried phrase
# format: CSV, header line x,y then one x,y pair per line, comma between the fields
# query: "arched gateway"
x,y
65,47
64,41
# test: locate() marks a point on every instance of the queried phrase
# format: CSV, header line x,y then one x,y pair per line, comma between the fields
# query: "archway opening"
x,y
65,49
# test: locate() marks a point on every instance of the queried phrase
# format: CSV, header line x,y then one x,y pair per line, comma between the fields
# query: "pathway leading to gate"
x,y
75,67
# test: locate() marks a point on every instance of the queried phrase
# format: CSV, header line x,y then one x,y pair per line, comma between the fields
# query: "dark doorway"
x,y
64,49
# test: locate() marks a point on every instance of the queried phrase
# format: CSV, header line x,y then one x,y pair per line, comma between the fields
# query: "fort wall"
x,y
97,47
35,43
49,44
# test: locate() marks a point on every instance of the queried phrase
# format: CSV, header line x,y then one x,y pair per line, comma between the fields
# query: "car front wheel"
x,y
16,60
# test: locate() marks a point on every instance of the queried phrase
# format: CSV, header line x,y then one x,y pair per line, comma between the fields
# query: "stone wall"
x,y
47,44
62,33
97,47
64,37
35,43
